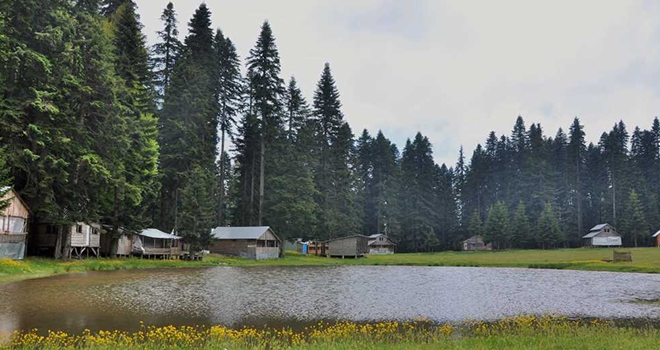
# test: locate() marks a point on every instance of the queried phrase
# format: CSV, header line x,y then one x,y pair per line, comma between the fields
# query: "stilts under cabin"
x,y
13,226
80,240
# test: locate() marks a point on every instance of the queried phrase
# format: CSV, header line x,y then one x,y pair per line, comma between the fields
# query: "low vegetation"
x,y
645,260
523,332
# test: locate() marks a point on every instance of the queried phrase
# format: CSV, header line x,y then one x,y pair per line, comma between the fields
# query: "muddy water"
x,y
292,296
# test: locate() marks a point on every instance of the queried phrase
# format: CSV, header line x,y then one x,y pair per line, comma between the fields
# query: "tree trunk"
x,y
261,181
57,254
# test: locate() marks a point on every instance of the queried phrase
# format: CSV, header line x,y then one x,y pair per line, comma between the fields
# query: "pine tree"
x,y
521,228
548,231
634,224
166,51
297,109
229,90
498,228
576,152
475,225
267,89
5,179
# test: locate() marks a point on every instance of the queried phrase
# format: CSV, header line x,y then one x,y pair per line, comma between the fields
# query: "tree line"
x,y
97,126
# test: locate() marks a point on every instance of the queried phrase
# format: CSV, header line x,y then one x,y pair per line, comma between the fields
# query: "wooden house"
x,y
115,244
154,243
317,248
475,243
252,242
13,226
656,238
380,244
602,235
352,246
71,241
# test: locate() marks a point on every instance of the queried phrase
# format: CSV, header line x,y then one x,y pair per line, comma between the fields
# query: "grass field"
x,y
644,260
523,332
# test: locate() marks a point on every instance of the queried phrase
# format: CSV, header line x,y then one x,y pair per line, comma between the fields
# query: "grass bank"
x,y
644,260
524,332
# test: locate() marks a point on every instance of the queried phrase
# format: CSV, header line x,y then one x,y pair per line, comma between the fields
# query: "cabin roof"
x,y
656,234
598,227
474,239
345,237
5,188
156,233
240,232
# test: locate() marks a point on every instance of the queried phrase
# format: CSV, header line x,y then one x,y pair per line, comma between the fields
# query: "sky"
x,y
455,70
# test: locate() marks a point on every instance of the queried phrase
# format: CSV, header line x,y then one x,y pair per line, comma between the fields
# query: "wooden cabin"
x,y
252,242
602,235
381,244
475,243
656,238
317,248
154,243
352,246
13,226
117,244
73,241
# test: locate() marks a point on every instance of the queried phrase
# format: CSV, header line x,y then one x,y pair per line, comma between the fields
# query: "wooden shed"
x,y
115,244
154,243
475,243
602,235
72,241
13,226
656,238
381,244
252,242
352,246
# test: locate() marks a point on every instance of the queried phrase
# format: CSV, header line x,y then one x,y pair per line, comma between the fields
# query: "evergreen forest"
x,y
188,134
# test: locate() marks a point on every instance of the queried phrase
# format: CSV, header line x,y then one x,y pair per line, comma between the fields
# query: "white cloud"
x,y
457,69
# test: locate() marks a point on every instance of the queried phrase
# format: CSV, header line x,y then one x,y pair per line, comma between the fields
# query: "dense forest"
x,y
184,135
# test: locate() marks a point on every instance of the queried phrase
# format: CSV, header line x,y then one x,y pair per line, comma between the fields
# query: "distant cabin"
x,y
82,239
380,244
252,242
352,246
13,226
602,235
656,236
154,243
475,243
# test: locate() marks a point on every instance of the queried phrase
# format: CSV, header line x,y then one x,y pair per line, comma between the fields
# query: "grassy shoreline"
x,y
522,332
645,260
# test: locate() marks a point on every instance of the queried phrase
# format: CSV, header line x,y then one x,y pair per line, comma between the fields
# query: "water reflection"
x,y
291,296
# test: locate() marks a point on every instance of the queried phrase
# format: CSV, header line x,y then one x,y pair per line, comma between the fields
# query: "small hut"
x,y
381,244
352,246
656,236
602,235
73,241
115,244
252,242
13,226
154,243
475,243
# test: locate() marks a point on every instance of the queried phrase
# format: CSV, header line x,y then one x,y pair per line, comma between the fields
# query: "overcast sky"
x,y
455,70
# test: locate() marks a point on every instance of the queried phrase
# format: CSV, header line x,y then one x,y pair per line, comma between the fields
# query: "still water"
x,y
278,296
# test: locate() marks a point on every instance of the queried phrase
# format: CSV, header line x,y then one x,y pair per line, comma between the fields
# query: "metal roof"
x,y
656,234
156,233
598,227
239,232
474,239
591,234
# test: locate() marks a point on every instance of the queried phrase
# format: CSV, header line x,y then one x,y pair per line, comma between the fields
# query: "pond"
x,y
296,296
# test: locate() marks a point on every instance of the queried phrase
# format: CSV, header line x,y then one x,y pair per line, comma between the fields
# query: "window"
x,y
79,228
95,231
16,224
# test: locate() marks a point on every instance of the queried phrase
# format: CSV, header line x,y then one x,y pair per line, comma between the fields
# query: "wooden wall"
x,y
349,246
235,247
